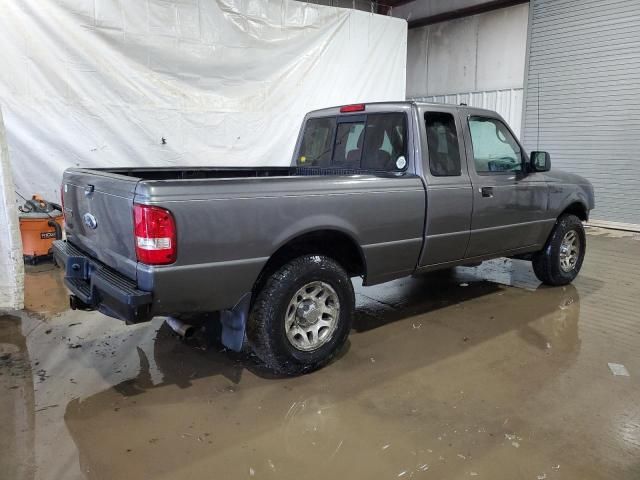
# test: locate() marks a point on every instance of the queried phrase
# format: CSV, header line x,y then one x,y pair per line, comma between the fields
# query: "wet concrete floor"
x,y
477,372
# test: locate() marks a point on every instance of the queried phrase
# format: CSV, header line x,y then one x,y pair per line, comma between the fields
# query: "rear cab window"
x,y
317,142
368,142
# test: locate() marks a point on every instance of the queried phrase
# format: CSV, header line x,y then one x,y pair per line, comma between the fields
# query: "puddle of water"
x,y
16,402
44,290
437,379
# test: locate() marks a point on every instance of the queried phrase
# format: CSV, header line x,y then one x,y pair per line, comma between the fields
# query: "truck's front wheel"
x,y
302,315
561,259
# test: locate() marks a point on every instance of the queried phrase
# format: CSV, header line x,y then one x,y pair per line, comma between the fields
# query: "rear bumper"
x,y
101,288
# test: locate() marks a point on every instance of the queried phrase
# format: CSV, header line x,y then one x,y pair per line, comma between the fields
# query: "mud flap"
x,y
234,323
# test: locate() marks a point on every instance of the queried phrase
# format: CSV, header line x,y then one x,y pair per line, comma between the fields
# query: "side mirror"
x,y
540,161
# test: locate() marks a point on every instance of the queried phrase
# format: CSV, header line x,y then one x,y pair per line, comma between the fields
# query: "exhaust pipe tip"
x,y
76,304
185,330
189,331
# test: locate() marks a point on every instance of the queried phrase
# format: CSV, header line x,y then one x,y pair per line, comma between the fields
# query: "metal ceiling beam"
x,y
420,13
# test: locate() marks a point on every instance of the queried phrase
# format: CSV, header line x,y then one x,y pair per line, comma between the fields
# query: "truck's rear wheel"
x,y
561,259
302,315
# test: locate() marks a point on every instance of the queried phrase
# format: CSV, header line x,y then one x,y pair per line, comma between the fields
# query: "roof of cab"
x,y
336,109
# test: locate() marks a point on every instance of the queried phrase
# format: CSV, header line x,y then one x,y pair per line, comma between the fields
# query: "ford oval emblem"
x,y
90,221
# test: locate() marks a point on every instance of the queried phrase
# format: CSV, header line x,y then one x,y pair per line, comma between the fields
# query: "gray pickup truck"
x,y
379,191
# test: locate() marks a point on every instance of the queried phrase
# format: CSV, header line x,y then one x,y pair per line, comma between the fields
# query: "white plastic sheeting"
x,y
11,266
189,82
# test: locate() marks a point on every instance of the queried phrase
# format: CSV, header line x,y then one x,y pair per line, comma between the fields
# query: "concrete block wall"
x,y
11,264
482,52
479,60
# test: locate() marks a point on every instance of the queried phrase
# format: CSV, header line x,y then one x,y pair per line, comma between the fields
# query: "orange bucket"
x,y
41,223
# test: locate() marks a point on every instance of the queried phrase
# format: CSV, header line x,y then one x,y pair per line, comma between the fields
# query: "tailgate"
x,y
99,219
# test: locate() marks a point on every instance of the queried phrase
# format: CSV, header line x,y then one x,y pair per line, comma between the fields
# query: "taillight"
x,y
155,232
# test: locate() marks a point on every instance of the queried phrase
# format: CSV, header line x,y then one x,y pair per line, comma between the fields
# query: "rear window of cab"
x,y
373,142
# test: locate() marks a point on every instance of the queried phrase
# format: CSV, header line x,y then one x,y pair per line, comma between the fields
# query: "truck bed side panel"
x,y
228,229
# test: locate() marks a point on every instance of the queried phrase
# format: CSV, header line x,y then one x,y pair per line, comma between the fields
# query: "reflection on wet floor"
x,y
16,402
471,372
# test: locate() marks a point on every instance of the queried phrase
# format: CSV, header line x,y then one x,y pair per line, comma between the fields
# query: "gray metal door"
x,y
509,206
582,97
449,196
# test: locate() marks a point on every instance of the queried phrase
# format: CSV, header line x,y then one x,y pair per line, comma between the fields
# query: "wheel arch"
x,y
577,208
337,244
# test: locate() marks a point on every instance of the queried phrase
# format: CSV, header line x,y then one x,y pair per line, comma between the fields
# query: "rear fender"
x,y
312,224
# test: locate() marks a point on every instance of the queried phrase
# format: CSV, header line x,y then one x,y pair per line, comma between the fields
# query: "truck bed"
x,y
229,221
177,173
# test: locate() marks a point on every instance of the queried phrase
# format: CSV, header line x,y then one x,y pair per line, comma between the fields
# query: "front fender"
x,y
561,197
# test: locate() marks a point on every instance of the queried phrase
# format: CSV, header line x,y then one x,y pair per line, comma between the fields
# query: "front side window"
x,y
372,142
442,143
494,148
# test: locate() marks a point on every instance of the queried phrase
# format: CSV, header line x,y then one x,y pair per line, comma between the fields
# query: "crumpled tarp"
x,y
174,83
11,263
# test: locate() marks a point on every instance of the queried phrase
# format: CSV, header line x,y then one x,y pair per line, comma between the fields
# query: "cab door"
x,y
448,186
509,203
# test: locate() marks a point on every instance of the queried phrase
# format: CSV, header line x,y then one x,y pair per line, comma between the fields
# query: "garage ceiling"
x,y
422,12
425,12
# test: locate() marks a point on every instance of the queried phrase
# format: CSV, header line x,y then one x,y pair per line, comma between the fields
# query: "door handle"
x,y
486,192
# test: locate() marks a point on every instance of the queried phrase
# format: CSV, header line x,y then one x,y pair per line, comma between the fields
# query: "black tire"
x,y
266,327
546,263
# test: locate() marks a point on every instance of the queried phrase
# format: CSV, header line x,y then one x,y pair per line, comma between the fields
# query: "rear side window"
x,y
367,142
442,143
317,142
